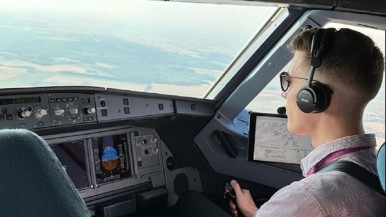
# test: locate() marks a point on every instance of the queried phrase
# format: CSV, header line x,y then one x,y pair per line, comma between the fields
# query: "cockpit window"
x,y
149,46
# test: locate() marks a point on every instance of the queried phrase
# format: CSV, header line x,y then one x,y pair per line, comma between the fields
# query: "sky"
x,y
175,26
184,29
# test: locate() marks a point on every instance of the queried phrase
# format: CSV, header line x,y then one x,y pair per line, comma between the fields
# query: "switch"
x,y
89,110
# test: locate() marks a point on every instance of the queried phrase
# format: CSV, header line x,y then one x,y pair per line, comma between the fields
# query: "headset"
x,y
316,96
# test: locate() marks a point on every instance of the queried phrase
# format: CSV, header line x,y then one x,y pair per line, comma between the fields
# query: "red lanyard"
x,y
330,157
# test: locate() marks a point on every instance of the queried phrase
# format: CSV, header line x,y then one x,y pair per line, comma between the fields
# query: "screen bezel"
x,y
98,156
252,130
85,158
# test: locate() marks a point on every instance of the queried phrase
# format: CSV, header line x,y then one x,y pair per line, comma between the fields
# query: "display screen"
x,y
269,140
72,155
24,100
111,158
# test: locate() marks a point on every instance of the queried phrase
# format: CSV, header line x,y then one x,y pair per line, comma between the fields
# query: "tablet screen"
x,y
269,140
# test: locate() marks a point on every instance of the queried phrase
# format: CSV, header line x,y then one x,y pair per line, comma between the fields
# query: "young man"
x,y
350,74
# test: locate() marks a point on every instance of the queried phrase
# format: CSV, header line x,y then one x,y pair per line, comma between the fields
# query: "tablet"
x,y
269,140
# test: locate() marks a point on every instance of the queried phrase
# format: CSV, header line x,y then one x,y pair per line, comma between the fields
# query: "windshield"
x,y
150,46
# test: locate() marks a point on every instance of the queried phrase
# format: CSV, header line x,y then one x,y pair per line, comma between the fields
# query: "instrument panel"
x,y
46,110
116,166
106,164
56,109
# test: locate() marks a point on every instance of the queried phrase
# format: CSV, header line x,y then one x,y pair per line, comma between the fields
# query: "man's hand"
x,y
244,201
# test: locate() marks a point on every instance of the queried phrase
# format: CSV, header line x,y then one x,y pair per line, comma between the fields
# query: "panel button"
x,y
125,101
126,110
103,103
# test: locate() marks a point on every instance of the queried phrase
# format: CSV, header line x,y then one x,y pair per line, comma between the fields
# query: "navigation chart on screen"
x,y
273,142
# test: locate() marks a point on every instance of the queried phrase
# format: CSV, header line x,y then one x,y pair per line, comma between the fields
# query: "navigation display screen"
x,y
111,158
72,155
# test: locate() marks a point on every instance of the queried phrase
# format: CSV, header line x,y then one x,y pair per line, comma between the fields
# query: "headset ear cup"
x,y
323,96
305,100
314,99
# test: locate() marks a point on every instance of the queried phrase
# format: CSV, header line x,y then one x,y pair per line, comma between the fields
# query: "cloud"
x,y
16,64
10,72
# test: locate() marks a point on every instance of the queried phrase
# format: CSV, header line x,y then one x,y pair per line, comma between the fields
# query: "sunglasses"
x,y
285,81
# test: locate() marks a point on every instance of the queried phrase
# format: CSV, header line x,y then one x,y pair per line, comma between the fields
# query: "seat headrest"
x,y
33,181
381,165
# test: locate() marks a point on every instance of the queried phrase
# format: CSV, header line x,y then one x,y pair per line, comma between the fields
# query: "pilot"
x,y
326,93
347,75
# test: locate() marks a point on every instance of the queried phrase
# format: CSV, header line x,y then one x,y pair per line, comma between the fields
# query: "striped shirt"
x,y
332,193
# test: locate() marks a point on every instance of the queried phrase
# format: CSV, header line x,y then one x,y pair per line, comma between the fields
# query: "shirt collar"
x,y
322,151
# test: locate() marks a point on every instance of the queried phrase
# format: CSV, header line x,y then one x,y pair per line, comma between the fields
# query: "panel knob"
x,y
23,114
89,110
73,110
39,113
59,112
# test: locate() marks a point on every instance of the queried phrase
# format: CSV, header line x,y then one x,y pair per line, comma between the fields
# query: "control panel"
x,y
26,111
32,111
53,109
71,108
120,107
45,110
147,150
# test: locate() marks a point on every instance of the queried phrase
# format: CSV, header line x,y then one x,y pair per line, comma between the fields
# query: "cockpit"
x,y
142,100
